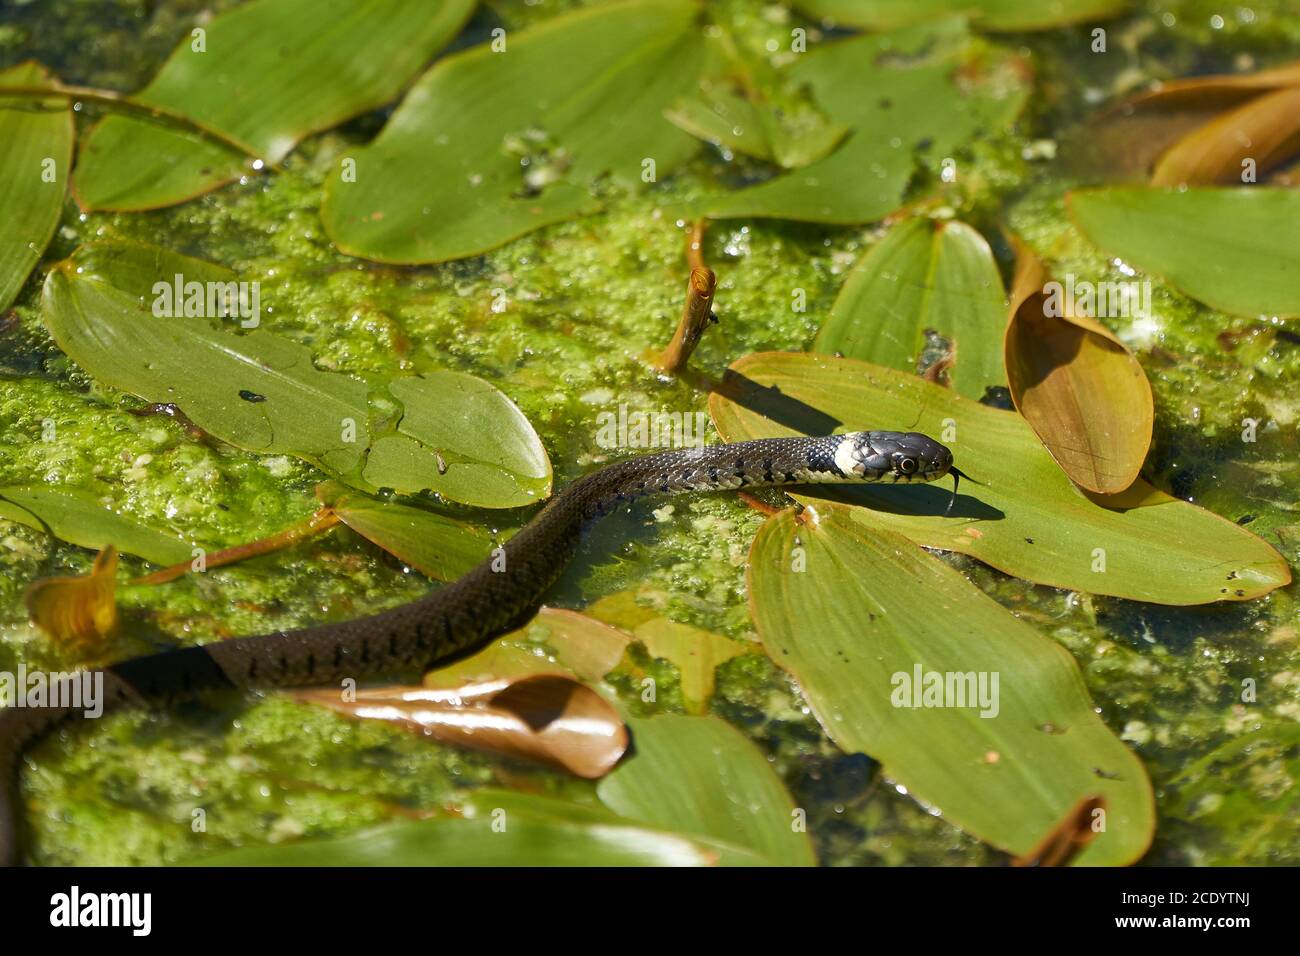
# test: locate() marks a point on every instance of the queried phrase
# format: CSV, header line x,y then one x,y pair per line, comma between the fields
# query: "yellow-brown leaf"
x,y
1078,387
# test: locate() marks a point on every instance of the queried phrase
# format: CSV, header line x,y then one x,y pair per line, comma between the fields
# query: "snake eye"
x,y
907,465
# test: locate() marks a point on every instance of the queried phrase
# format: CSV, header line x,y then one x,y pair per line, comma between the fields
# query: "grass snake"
x,y
499,594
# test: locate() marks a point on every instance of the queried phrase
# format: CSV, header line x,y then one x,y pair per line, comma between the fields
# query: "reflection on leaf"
x,y
865,620
1193,124
923,275
1080,389
79,612
547,718
1247,141
1026,518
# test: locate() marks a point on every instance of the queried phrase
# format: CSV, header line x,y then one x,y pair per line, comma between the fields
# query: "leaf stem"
x,y
321,520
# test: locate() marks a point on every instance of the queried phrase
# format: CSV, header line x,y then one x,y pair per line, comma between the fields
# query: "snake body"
x,y
492,598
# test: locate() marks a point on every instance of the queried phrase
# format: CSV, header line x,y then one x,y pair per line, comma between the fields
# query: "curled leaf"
x,y
547,718
1080,389
78,611
1251,139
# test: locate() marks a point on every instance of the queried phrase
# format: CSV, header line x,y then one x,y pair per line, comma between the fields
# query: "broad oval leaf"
x,y
34,167
548,718
239,79
1237,250
923,275
435,545
1025,518
975,713
1076,384
463,438
894,92
539,831
1014,15
488,146
700,776
77,517
695,652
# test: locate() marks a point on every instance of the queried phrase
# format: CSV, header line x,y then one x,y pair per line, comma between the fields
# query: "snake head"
x,y
893,456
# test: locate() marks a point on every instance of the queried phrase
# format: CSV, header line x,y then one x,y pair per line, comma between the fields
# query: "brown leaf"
x,y
1265,129
1077,386
78,611
1125,141
547,718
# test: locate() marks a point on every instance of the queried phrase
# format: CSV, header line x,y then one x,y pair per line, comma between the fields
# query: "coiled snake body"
x,y
491,599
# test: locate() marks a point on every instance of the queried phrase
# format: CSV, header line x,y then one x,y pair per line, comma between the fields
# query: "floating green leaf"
x,y
1237,250
489,146
262,393
700,776
1025,518
34,166
1013,15
554,640
256,391
236,76
762,130
965,705
695,652
463,438
496,828
896,94
923,275
440,547
78,518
